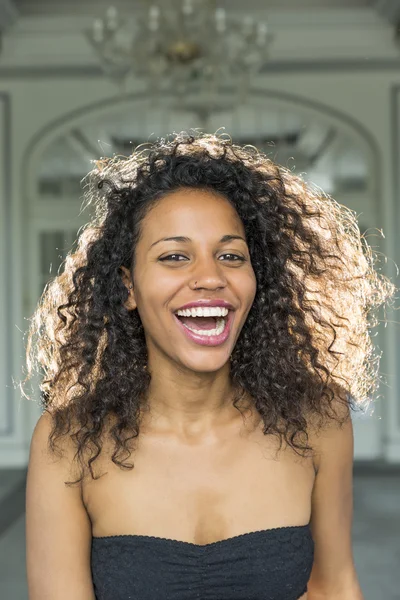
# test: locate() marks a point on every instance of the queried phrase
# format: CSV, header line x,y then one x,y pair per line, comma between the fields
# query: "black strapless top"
x,y
272,564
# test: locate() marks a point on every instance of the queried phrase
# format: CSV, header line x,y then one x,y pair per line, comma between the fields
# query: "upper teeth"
x,y
215,311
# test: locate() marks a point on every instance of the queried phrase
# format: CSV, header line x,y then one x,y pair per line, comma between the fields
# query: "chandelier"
x,y
189,48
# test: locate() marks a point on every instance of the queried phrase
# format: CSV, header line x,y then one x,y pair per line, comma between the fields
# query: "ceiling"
x,y
68,7
27,7
11,10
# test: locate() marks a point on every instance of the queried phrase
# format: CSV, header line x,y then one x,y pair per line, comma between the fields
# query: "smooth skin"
x,y
190,399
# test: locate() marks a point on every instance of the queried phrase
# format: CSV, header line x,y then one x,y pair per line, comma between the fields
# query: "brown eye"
x,y
169,257
236,256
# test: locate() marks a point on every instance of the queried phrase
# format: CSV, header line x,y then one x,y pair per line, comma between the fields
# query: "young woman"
x,y
212,324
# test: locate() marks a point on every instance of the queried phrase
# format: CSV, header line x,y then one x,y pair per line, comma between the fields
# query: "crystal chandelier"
x,y
190,48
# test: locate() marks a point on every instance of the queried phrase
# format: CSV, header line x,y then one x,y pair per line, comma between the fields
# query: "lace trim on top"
x,y
288,528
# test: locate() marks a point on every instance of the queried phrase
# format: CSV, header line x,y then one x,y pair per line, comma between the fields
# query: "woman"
x,y
237,411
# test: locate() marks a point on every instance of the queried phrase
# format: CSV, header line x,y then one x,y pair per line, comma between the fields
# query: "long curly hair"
x,y
305,348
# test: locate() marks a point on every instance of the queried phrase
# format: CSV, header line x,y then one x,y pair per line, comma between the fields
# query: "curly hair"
x,y
305,347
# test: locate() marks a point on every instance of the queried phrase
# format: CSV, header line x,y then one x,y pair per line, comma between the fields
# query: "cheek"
x,y
248,286
152,299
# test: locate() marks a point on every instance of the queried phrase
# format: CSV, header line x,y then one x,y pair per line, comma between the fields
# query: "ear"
x,y
130,303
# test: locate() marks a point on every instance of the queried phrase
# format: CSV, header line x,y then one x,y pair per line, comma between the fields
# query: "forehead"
x,y
192,208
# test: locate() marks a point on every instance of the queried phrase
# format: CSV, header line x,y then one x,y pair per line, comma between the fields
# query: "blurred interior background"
x,y
313,83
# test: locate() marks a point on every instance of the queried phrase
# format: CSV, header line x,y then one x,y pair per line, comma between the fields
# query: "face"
x,y
170,274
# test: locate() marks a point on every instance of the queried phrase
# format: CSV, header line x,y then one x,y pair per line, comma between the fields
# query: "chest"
x,y
200,493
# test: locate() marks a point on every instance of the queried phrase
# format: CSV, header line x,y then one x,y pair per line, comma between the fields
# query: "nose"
x,y
208,274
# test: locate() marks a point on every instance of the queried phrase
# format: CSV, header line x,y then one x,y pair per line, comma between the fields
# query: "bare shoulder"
x,y
58,528
41,453
324,437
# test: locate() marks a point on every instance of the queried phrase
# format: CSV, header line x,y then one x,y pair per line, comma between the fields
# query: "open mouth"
x,y
206,331
208,326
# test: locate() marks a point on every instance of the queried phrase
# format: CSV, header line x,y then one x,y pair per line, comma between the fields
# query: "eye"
x,y
169,257
236,256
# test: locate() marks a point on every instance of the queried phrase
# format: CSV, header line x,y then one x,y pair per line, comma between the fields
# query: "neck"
x,y
196,410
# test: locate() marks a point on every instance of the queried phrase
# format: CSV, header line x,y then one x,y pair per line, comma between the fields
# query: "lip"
x,y
212,340
204,302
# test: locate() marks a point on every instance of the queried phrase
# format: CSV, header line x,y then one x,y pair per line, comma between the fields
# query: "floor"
x,y
376,533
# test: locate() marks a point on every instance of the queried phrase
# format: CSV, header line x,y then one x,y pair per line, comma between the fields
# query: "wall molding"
x,y
276,67
395,118
260,93
7,428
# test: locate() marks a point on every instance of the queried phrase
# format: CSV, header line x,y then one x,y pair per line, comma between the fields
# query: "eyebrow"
x,y
181,238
